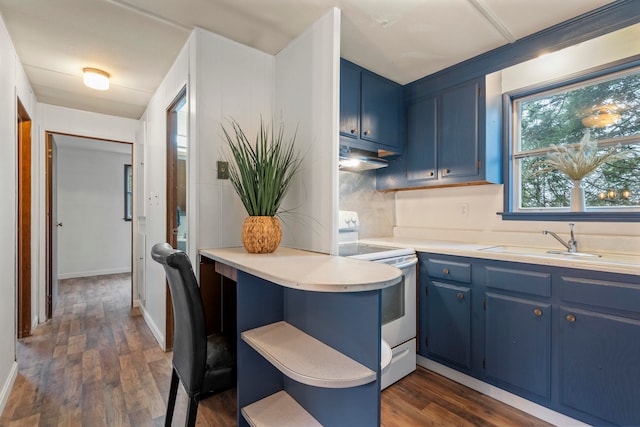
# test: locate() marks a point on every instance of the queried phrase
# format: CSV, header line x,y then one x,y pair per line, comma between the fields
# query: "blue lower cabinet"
x,y
600,365
518,343
449,323
565,338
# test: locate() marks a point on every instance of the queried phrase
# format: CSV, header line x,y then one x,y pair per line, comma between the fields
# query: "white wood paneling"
x,y
307,96
232,81
8,209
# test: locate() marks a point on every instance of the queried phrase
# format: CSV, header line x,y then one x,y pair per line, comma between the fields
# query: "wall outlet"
x,y
223,170
463,209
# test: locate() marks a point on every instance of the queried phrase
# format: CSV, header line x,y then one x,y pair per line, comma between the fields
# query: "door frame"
x,y
24,167
172,199
49,279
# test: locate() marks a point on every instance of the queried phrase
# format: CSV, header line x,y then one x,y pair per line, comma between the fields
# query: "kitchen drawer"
x,y
528,282
441,269
601,293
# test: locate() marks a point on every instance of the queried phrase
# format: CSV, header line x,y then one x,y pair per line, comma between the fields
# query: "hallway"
x,y
96,363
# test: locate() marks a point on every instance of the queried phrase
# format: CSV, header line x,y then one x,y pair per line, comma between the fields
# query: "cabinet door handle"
x,y
446,172
430,173
445,271
367,132
354,130
571,318
537,312
460,295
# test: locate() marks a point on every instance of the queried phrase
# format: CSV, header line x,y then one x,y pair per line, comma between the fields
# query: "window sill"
x,y
572,216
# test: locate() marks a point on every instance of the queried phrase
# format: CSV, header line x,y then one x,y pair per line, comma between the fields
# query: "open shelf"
x,y
280,410
305,359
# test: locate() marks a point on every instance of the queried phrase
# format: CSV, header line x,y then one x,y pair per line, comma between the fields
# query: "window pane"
x,y
613,184
608,107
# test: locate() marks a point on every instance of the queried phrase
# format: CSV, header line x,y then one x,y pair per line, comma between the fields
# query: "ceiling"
x,y
137,41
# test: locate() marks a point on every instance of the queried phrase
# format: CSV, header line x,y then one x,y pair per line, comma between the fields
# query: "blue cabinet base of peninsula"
x,y
348,322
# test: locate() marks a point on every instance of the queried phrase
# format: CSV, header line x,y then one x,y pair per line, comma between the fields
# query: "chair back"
x,y
190,335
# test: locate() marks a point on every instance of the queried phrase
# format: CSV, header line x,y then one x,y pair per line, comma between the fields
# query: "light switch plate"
x,y
223,170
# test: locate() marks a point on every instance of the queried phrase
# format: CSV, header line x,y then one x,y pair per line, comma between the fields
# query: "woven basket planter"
x,y
261,234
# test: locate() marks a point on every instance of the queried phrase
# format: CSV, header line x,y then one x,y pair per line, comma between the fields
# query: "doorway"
x,y
177,225
24,222
88,202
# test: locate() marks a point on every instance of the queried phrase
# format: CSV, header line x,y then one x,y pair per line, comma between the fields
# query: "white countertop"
x,y
309,271
612,263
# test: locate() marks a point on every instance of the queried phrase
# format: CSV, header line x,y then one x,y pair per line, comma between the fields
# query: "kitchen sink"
x,y
575,254
524,250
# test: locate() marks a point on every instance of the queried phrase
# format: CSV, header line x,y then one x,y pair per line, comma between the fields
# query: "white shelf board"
x,y
279,410
305,359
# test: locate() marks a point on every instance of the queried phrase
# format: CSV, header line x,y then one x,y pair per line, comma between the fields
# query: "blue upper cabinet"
x,y
422,154
349,100
459,152
370,110
453,137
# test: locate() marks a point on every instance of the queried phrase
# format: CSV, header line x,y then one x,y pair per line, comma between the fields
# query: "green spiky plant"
x,y
261,172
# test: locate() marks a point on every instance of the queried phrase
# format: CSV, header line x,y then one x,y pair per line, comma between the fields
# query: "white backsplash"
x,y
375,209
468,214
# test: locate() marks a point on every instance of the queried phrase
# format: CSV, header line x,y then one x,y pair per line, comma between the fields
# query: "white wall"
x,y
57,119
152,218
94,238
225,79
230,80
307,95
13,82
437,213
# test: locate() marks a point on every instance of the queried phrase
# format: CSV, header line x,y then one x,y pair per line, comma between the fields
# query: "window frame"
x,y
128,192
509,162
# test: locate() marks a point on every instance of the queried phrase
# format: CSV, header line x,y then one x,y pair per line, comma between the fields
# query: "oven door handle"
x,y
410,263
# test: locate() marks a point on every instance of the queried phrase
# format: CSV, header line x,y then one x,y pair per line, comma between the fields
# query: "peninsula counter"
x,y
308,336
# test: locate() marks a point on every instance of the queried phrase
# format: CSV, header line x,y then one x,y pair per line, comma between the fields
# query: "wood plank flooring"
x,y
96,363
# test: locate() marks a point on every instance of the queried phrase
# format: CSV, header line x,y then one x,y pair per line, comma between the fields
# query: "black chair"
x,y
204,365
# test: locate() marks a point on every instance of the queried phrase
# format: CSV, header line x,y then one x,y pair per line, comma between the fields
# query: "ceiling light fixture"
x,y
95,78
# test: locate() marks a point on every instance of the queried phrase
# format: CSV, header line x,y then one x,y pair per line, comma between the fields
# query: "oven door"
x,y
399,305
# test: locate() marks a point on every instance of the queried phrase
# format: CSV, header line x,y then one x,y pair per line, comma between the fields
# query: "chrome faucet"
x,y
571,245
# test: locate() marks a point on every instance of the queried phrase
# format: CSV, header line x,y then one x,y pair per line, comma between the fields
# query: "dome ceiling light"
x,y
95,78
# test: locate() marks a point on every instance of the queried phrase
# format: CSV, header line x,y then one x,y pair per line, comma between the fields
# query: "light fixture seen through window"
x,y
96,79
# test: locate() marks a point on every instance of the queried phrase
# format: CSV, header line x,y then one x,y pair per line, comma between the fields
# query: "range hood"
x,y
356,160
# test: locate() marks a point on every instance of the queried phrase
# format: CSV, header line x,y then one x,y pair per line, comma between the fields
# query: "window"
x,y
128,192
606,106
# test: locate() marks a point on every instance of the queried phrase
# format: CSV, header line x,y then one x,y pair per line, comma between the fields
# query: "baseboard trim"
x,y
34,323
503,396
8,385
154,328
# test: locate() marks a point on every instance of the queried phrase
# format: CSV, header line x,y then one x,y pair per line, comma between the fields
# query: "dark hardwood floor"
x,y
96,363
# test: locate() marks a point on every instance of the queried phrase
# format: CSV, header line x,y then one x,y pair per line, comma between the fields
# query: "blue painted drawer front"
x,y
600,365
449,323
528,282
440,269
619,296
518,343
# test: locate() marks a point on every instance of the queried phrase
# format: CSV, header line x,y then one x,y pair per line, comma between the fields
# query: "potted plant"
x,y
261,173
577,161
